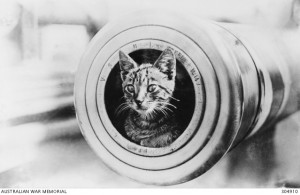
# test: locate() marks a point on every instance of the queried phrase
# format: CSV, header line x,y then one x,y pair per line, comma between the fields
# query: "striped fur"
x,y
148,89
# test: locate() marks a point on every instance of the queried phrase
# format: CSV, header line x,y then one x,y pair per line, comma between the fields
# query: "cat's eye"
x,y
130,88
152,88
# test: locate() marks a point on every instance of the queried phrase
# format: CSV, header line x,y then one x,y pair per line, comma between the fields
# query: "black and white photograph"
x,y
149,94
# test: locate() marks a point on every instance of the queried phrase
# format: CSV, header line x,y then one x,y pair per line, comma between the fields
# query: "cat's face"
x,y
148,88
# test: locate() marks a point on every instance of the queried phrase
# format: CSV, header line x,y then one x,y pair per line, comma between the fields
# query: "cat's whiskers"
x,y
175,99
123,97
150,114
166,113
169,104
168,109
162,111
155,112
121,108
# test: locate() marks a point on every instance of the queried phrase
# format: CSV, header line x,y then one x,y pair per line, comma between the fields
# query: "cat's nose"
x,y
139,102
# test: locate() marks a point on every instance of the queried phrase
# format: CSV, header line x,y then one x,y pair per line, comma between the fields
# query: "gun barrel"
x,y
241,79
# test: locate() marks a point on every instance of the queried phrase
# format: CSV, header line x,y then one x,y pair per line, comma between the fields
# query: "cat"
x,y
148,89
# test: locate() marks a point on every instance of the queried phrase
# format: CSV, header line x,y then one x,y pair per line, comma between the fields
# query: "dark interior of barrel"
x,y
184,91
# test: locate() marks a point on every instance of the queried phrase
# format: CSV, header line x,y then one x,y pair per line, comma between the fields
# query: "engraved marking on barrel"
x,y
196,77
134,46
237,42
102,79
188,65
158,46
181,58
132,148
110,65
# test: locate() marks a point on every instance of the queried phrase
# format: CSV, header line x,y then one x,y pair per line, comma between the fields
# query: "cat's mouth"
x,y
145,109
141,108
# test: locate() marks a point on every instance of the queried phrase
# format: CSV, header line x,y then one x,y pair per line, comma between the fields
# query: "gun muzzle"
x,y
233,80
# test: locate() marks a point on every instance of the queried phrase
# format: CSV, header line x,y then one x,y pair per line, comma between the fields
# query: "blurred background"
x,y
41,42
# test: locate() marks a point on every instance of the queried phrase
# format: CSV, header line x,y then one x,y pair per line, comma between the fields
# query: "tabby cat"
x,y
148,89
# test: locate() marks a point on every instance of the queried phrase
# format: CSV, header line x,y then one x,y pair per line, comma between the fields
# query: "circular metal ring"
x,y
199,96
186,151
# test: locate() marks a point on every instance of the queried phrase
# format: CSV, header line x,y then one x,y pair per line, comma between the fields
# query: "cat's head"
x,y
148,88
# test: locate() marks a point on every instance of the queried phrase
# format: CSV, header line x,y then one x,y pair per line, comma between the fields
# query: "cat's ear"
x,y
126,64
166,63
